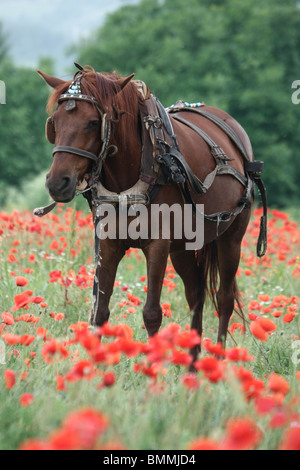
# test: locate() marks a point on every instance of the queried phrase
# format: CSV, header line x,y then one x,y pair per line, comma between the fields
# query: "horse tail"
x,y
207,260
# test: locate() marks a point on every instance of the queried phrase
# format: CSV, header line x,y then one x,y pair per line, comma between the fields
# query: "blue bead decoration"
x,y
75,88
193,105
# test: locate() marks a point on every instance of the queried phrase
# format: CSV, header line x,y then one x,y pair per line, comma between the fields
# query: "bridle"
x,y
73,95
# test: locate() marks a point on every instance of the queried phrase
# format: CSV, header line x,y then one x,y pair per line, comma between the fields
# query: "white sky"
x,y
43,28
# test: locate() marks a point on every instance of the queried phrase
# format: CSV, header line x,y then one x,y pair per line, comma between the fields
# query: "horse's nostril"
x,y
65,182
62,185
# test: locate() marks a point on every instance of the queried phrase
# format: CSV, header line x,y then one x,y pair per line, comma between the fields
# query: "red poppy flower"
x,y
133,299
60,383
11,339
278,384
7,318
190,381
86,425
21,300
267,324
288,317
51,348
42,332
109,379
241,434
36,444
215,349
37,300
10,378
21,281
236,354
26,399
258,331
264,405
26,340
291,439
81,370
276,313
180,358
188,339
204,444
28,318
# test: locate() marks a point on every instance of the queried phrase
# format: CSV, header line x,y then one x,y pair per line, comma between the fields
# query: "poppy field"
x,y
65,385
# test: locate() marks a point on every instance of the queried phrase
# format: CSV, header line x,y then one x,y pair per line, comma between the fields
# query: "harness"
x,y
171,163
167,163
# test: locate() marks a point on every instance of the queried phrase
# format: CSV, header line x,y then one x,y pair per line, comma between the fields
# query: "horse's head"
x,y
80,127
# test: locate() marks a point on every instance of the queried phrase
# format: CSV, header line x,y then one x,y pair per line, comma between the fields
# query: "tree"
x,y
24,152
239,56
3,44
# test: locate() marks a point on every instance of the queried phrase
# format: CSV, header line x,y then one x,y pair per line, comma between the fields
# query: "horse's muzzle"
x,y
61,189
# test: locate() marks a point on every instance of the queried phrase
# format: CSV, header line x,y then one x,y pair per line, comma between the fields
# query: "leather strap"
x,y
75,151
223,125
222,167
217,151
81,97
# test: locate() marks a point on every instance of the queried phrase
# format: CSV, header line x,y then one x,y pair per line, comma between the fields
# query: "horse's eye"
x,y
92,124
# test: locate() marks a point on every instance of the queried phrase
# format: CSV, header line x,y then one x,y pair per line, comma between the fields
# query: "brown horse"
x,y
102,138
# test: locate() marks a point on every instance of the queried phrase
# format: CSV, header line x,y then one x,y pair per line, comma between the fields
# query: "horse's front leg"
x,y
111,253
156,255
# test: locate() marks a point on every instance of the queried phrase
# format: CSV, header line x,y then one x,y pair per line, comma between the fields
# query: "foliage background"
x,y
240,56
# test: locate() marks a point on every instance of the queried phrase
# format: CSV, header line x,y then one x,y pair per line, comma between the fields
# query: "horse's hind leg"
x,y
192,276
229,250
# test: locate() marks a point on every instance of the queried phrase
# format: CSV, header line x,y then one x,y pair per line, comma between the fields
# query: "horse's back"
x,y
196,151
236,126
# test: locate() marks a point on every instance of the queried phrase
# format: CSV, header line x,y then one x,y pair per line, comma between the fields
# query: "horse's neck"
x,y
121,171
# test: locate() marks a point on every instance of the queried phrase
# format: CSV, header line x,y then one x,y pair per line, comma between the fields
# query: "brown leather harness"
x,y
172,165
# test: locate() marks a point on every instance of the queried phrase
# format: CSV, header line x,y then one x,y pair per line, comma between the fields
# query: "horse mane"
x,y
107,91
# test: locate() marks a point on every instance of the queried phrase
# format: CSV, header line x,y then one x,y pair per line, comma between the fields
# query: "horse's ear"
x,y
52,81
122,82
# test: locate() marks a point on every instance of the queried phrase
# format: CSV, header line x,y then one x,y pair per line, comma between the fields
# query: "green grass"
x,y
168,416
